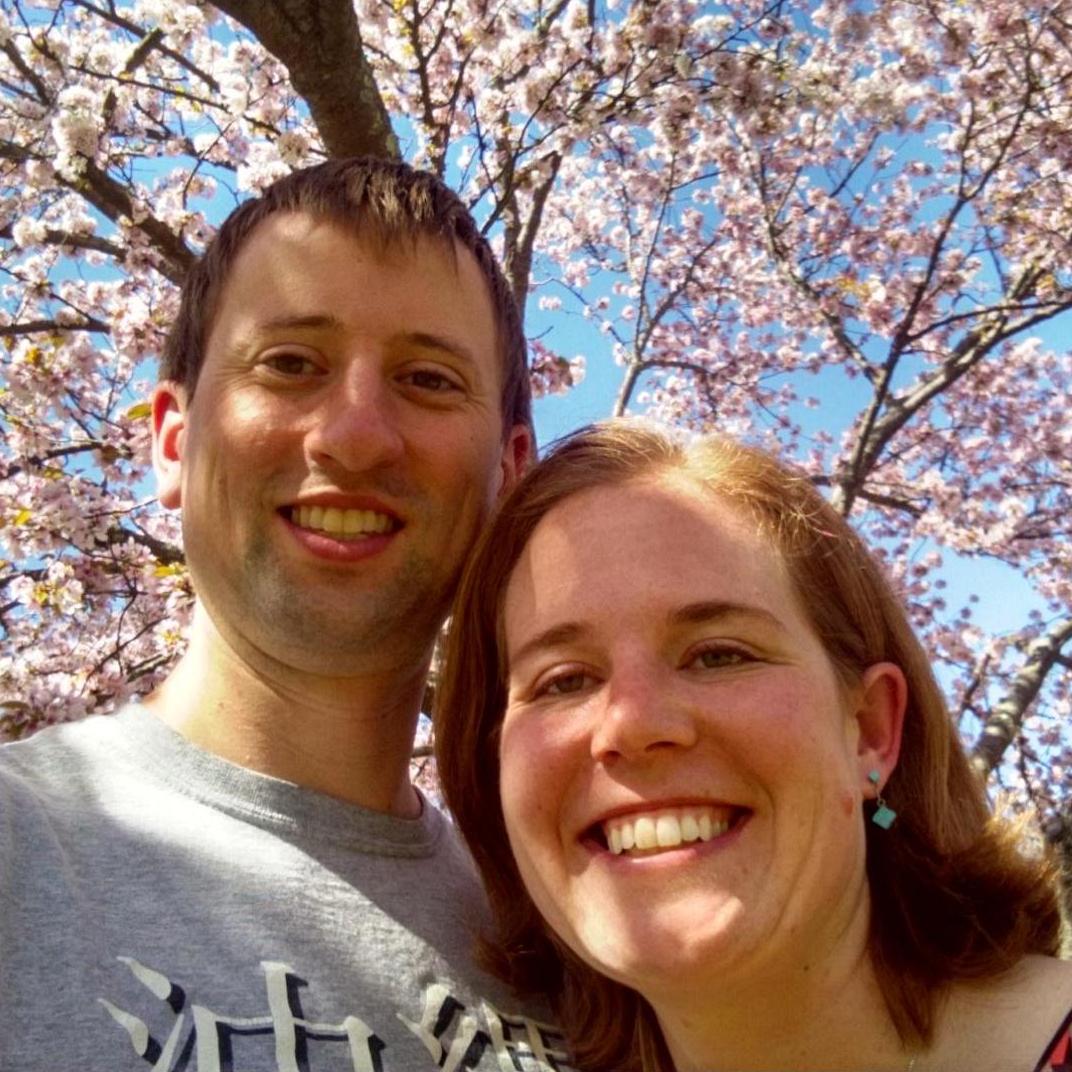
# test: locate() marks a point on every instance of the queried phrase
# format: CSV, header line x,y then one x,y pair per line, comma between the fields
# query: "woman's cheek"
x,y
533,785
516,782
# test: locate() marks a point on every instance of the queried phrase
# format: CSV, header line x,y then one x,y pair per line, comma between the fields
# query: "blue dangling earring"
x,y
884,815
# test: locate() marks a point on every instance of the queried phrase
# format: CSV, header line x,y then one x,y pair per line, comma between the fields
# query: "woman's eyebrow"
x,y
691,614
711,610
300,320
561,633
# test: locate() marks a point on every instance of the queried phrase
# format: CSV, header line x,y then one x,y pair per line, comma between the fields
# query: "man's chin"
x,y
333,637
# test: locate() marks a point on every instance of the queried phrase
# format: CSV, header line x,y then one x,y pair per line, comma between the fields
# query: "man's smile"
x,y
344,524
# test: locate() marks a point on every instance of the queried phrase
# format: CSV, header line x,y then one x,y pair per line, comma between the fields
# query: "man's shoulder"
x,y
60,758
65,738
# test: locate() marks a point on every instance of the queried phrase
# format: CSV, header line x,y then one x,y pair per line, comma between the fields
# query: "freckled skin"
x,y
619,708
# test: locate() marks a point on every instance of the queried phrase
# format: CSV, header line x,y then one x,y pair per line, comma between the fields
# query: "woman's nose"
x,y
641,717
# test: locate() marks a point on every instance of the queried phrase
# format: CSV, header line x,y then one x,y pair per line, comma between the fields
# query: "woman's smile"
x,y
661,830
692,739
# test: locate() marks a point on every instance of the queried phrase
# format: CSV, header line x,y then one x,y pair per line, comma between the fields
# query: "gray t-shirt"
x,y
163,908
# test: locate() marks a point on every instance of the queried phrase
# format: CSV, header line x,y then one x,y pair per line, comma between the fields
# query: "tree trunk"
x,y
319,42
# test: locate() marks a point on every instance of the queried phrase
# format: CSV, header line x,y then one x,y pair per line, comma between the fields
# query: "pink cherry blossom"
x,y
840,229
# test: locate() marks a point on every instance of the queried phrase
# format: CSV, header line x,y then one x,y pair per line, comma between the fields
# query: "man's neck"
x,y
347,736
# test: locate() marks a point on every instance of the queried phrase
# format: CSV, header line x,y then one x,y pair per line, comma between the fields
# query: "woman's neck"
x,y
826,1017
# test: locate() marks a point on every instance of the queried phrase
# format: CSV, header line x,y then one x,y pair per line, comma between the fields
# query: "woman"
x,y
706,773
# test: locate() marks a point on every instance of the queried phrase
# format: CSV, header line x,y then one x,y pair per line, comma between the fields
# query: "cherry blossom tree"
x,y
841,229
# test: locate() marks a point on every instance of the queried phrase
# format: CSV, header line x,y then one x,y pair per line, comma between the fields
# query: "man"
x,y
237,874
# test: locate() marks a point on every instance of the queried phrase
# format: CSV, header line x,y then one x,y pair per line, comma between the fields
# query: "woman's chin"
x,y
661,950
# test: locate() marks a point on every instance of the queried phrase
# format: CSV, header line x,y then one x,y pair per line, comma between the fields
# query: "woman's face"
x,y
666,692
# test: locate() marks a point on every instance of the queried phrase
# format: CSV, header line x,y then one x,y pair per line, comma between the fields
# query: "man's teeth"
x,y
337,522
665,829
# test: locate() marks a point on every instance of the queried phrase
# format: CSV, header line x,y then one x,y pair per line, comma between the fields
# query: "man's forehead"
x,y
313,280
286,237
403,241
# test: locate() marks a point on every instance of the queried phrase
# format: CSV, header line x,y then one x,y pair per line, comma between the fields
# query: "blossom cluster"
x,y
837,228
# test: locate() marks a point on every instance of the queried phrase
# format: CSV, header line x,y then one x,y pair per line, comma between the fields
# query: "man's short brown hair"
x,y
385,200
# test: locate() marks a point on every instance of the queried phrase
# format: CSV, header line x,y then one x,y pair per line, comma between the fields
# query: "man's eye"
x,y
291,364
431,380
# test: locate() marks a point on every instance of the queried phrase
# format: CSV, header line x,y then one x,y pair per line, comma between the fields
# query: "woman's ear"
x,y
169,434
880,709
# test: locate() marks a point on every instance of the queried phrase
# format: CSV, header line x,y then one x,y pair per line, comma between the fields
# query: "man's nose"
x,y
642,717
358,424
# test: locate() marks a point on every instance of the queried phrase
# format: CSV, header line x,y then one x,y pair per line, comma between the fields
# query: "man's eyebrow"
x,y
446,343
425,339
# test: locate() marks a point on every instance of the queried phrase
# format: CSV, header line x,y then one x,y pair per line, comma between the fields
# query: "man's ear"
x,y
881,700
169,436
517,456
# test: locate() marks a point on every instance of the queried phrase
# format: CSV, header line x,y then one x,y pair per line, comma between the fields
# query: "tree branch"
x,y
37,460
165,553
116,19
319,42
113,199
1007,717
519,254
54,237
27,72
34,327
881,424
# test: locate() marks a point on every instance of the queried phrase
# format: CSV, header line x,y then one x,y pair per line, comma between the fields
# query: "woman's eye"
x,y
714,658
564,684
291,364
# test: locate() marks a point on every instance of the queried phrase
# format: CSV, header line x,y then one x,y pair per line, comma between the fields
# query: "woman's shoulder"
x,y
1058,1053
1050,980
1019,1021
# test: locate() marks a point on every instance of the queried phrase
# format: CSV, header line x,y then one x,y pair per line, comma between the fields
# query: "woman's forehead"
x,y
656,542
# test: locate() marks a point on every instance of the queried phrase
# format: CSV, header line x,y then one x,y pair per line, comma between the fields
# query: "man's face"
x,y
342,448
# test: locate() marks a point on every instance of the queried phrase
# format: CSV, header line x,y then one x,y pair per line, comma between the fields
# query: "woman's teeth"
x,y
666,828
